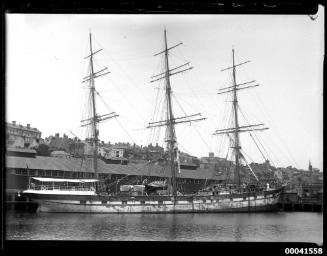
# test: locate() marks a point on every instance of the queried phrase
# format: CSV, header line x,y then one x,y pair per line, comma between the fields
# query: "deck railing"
x,y
62,188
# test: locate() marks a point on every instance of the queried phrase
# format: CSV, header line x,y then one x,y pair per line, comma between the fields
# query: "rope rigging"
x,y
259,141
115,117
270,121
203,140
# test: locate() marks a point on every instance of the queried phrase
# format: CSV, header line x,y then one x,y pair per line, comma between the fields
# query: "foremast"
x,y
171,121
237,129
95,119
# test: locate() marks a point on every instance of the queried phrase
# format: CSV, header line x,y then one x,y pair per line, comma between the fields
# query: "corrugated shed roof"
x,y
24,150
86,165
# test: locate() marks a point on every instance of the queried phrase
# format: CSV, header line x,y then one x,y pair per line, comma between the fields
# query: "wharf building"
x,y
20,168
115,166
119,164
191,178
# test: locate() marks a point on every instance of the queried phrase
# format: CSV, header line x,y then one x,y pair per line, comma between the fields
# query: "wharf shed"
x,y
19,169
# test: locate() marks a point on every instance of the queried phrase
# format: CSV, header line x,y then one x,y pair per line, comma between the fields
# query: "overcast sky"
x,y
45,67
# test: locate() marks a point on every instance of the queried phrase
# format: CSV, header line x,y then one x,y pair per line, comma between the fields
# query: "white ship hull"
x,y
162,205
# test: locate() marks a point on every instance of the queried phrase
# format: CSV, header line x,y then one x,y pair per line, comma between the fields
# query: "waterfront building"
x,y
111,151
20,169
19,136
113,154
218,164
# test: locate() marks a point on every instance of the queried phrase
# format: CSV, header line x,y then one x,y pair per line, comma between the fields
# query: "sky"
x,y
45,66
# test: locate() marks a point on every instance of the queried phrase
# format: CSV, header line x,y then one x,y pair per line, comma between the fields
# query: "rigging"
x,y
171,121
236,145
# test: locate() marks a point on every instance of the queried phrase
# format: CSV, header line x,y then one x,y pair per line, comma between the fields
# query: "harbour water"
x,y
234,227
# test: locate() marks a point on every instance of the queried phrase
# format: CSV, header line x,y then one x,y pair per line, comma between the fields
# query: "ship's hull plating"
x,y
97,204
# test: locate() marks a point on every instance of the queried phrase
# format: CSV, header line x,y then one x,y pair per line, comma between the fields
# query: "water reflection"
x,y
291,227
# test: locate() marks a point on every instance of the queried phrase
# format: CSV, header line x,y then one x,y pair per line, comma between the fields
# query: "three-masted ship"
x,y
88,195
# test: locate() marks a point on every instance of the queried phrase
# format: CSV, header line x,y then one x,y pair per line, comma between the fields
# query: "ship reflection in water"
x,y
256,227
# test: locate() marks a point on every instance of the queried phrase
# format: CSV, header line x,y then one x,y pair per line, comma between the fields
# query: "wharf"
x,y
14,202
291,201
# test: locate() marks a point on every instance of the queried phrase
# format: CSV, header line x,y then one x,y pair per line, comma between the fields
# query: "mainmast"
x,y
237,129
95,119
170,121
171,136
237,146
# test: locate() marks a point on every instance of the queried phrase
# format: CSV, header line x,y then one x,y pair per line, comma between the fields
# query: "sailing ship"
x,y
89,196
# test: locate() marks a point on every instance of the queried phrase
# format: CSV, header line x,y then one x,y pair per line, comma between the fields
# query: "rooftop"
x,y
86,165
26,128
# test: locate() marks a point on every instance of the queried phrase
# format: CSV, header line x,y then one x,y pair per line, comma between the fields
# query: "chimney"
x,y
28,126
14,122
211,154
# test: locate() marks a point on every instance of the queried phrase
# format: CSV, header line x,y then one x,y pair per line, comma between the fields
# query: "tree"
x,y
43,150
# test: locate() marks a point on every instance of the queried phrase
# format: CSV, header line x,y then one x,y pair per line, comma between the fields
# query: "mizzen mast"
x,y
237,128
171,121
95,119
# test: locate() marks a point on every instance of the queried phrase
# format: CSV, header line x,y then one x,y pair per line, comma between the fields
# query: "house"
x,y
113,154
21,136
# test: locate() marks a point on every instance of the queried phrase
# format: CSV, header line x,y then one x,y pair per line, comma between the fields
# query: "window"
x,y
23,172
82,202
117,153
